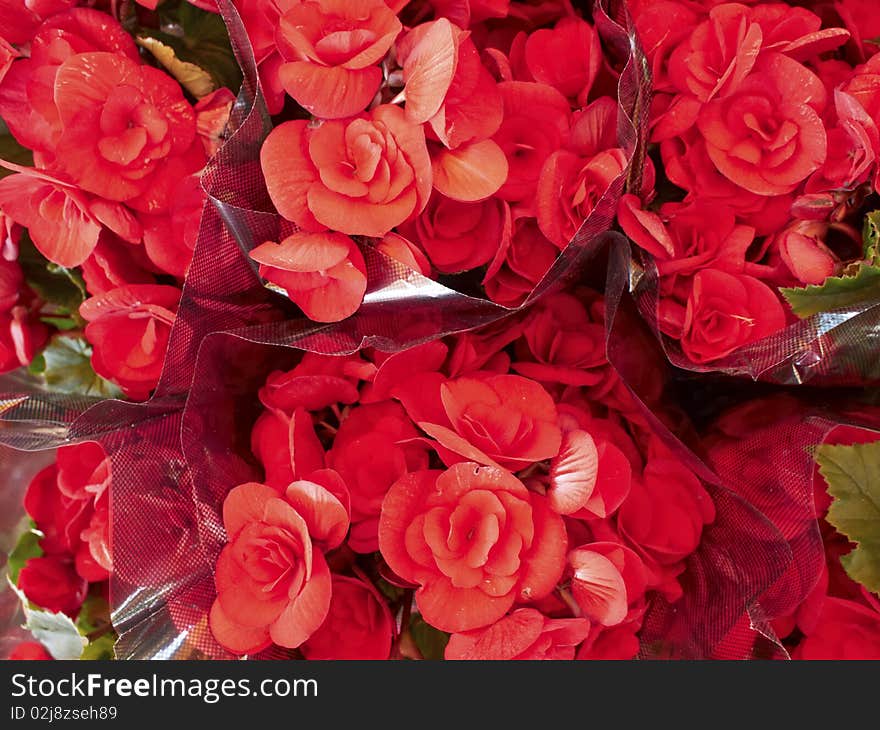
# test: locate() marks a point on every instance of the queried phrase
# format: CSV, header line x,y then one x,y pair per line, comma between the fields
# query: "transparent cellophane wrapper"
x,y
175,457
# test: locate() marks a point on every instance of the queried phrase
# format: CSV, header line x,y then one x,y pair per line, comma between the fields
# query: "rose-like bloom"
x,y
273,584
718,55
575,178
536,123
359,625
525,634
128,328
27,95
30,651
369,456
332,50
498,420
845,630
567,57
362,176
461,236
768,136
474,540
52,583
323,273
526,261
686,237
725,311
664,514
128,132
566,344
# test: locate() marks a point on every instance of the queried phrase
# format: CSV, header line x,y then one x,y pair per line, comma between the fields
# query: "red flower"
x,y
370,453
566,344
536,123
286,446
52,583
59,516
317,382
497,420
358,626
845,630
526,261
574,179
129,328
332,49
362,176
726,311
461,236
128,132
170,236
525,634
272,582
608,582
30,651
323,273
768,135
474,539
567,57
664,514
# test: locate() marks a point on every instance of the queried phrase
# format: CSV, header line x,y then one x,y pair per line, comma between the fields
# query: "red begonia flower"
x,y
52,583
664,514
170,236
536,123
128,132
608,579
323,273
286,446
845,630
461,236
726,311
524,634
406,252
332,50
317,382
359,625
128,328
526,261
61,518
573,473
619,643
497,420
768,136
30,651
273,584
474,539
567,57
362,176
370,453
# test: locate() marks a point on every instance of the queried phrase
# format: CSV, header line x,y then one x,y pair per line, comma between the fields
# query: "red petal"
x,y
330,92
236,638
459,609
325,514
289,173
428,68
307,611
470,173
544,564
573,473
598,587
304,252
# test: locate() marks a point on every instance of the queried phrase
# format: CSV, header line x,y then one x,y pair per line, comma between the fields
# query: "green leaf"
x,y
100,648
191,41
68,369
63,290
27,547
871,237
853,477
55,631
431,642
836,292
391,592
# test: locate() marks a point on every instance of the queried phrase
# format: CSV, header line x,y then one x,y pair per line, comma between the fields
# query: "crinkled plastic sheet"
x,y
833,348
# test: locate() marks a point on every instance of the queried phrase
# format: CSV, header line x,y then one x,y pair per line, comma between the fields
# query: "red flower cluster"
x,y
766,131
478,140
500,483
69,503
117,149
